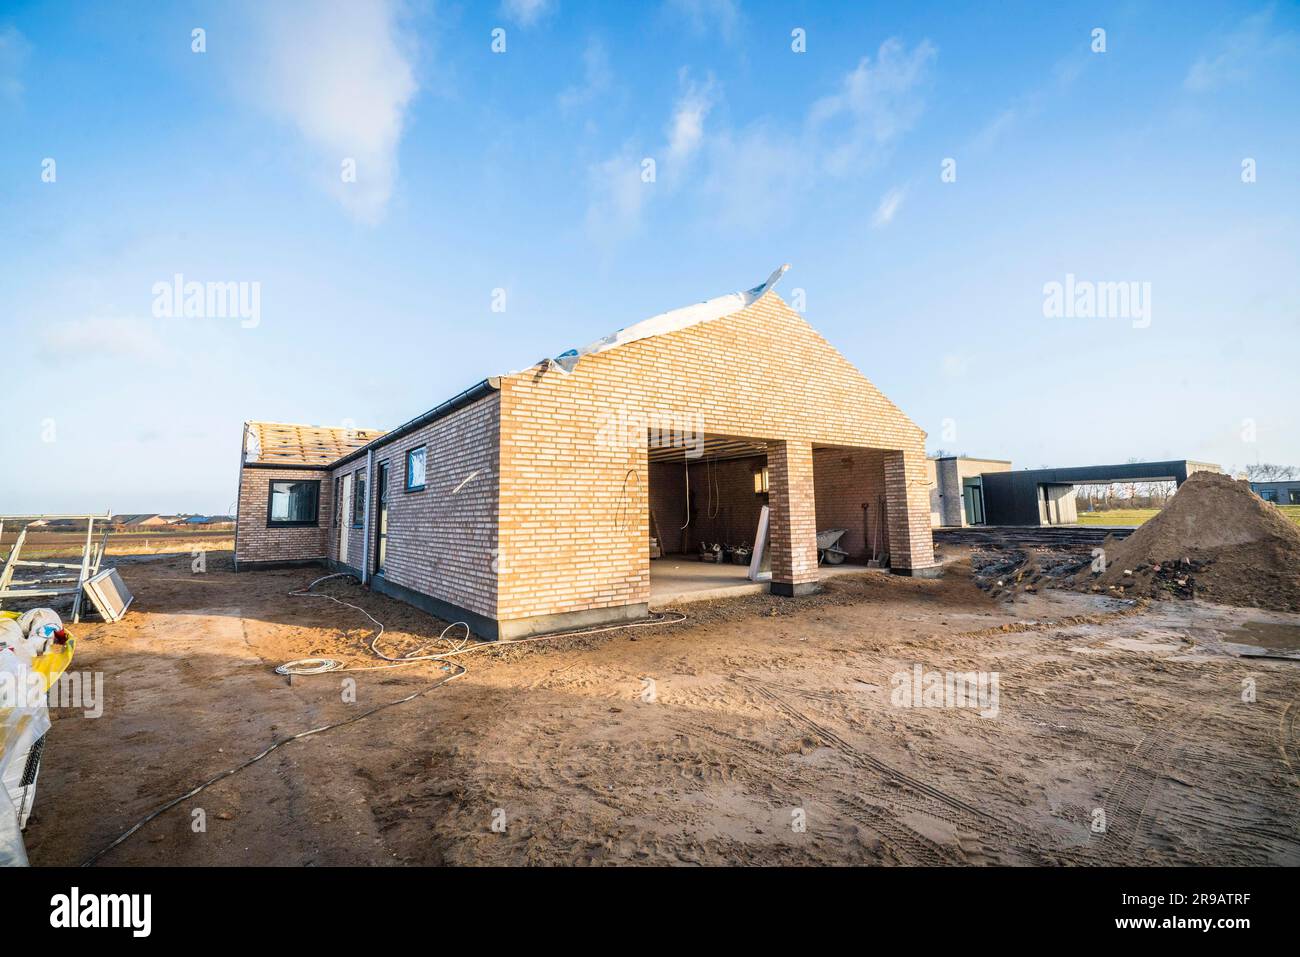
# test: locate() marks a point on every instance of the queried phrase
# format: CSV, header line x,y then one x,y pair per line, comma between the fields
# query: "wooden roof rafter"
x,y
284,443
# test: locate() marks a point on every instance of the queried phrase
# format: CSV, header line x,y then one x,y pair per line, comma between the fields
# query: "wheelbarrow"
x,y
828,546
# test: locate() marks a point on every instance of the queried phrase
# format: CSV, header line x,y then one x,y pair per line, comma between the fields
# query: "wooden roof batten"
x,y
284,443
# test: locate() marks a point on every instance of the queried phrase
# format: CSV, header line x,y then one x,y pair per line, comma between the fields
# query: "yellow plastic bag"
x,y
53,663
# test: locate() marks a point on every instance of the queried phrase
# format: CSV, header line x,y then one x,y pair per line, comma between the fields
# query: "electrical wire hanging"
x,y
621,513
687,466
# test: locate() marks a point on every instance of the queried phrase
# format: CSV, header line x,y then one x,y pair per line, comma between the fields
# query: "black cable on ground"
x,y
258,757
458,648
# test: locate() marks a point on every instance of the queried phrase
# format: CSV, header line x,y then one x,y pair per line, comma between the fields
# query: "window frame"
x,y
406,479
272,522
359,495
1268,495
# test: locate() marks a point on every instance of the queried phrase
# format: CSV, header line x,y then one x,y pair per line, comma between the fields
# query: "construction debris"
x,y
50,578
1004,573
109,594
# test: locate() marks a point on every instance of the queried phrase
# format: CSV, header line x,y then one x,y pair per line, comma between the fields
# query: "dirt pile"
x,y
1215,540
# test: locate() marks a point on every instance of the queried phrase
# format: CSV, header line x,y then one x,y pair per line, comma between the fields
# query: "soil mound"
x,y
1215,540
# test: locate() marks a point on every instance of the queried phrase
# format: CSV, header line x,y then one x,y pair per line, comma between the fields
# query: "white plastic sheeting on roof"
x,y
669,322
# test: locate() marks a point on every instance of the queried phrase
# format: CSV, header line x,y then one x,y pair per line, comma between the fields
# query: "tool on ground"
x,y
828,546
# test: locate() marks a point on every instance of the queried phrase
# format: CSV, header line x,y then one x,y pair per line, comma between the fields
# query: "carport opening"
x,y
1121,503
849,487
706,499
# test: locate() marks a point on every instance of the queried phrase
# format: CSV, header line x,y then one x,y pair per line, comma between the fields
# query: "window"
x,y
359,500
1293,496
415,469
760,481
292,503
1268,494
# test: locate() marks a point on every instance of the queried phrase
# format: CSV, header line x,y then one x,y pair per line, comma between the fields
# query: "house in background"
x,y
965,491
957,489
1279,493
1046,496
206,521
140,521
527,503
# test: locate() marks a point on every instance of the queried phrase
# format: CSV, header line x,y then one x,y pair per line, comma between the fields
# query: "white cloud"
x,y
875,104
1029,105
342,73
955,366
524,13
618,196
751,174
101,336
888,208
14,50
597,77
619,193
747,176
686,128
1254,41
706,16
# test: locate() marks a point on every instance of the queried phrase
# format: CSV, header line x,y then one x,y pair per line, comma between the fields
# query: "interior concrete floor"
x,y
682,578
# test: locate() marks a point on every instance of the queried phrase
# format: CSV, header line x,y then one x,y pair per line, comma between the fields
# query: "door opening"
x,y
381,526
974,502
346,522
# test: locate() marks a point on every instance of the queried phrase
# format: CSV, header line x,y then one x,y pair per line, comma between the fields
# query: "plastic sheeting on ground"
x,y
29,665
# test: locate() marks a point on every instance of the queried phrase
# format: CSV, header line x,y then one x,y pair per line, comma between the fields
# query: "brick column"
x,y
907,503
793,518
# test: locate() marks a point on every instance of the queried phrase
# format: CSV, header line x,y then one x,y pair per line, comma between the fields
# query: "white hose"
x,y
321,666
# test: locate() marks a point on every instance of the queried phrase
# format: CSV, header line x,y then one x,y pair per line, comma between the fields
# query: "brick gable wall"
x,y
574,505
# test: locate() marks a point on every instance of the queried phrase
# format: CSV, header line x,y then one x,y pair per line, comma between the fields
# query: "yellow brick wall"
x,y
441,540
574,504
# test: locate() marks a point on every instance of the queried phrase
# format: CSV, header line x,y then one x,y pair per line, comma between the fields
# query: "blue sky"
x,y
521,171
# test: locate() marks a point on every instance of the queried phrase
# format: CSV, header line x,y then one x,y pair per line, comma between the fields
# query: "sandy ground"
x,y
767,714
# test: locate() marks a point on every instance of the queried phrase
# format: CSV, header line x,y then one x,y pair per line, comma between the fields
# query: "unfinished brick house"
x,y
528,502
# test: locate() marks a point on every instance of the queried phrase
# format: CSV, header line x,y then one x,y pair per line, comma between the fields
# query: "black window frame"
x,y
406,479
1268,495
1292,496
359,497
283,523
